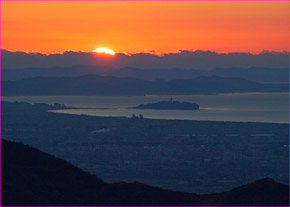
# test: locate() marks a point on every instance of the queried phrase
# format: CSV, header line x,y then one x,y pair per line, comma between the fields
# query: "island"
x,y
169,105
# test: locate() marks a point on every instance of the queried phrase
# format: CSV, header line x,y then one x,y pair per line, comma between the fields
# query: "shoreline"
x,y
164,119
153,95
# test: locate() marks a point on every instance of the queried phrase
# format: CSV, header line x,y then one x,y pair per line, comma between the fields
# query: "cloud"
x,y
184,59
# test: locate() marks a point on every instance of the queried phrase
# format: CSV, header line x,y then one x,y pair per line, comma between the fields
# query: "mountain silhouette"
x,y
271,75
91,85
30,177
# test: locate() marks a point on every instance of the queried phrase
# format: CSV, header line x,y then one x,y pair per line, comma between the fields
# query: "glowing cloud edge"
x,y
104,50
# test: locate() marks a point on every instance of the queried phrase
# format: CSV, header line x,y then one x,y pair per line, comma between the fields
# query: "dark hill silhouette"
x,y
90,85
30,177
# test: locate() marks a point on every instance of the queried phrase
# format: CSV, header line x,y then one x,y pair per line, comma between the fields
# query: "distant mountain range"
x,y
30,177
90,85
271,75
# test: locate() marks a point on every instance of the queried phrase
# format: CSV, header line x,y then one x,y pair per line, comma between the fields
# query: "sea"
x,y
238,107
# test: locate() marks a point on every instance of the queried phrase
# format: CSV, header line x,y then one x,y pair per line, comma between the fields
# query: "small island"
x,y
169,105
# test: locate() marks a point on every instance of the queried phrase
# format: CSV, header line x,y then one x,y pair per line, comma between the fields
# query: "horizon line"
x,y
155,53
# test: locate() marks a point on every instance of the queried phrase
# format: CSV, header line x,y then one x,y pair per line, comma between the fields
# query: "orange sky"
x,y
49,27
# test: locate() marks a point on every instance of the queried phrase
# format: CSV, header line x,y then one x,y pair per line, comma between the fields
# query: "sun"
x,y
104,50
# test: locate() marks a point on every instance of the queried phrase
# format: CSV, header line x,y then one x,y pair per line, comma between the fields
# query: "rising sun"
x,y
104,50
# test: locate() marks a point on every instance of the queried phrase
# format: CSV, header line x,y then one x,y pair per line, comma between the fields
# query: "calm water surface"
x,y
254,107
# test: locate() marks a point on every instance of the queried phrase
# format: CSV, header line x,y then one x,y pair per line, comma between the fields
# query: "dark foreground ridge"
x,y
31,177
169,105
